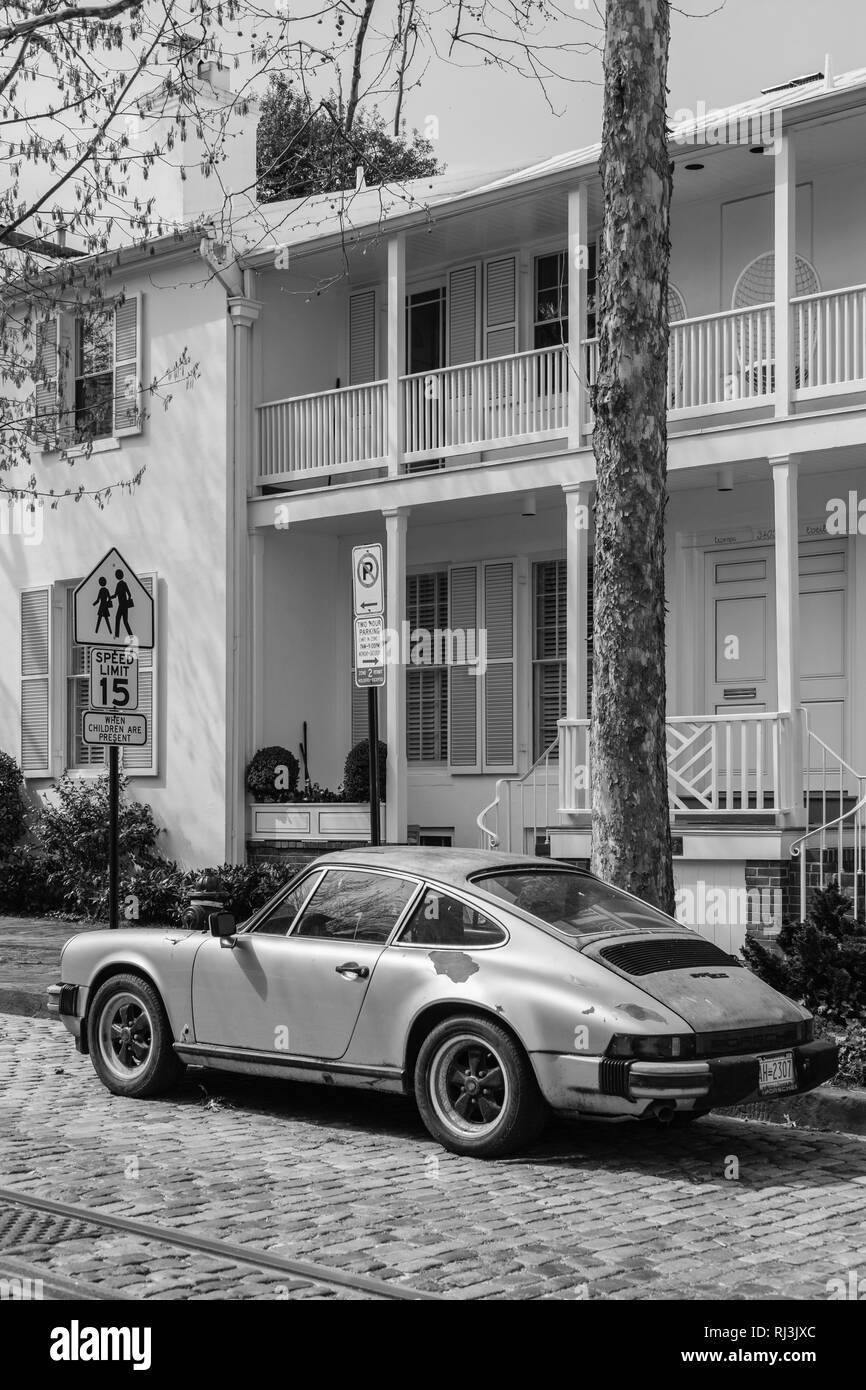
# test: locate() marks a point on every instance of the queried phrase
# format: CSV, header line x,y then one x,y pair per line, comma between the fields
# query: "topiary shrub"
x,y
272,774
820,962
11,803
356,774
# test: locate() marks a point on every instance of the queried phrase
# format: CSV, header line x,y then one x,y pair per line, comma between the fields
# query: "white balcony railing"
x,y
722,362
830,340
345,429
504,400
728,764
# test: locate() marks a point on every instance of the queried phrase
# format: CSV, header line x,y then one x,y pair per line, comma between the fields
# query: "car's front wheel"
x,y
476,1090
129,1038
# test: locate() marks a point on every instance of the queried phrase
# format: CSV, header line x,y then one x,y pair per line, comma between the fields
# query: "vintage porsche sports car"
x,y
495,987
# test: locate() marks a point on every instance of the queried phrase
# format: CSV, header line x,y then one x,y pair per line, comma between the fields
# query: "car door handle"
x,y
353,971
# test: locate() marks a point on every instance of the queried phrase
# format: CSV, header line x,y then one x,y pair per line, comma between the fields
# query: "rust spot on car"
x,y
590,1010
641,1014
327,1078
455,964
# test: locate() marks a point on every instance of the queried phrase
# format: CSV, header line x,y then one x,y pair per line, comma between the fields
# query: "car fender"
x,y
164,955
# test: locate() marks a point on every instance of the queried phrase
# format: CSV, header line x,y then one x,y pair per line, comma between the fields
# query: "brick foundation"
x,y
296,854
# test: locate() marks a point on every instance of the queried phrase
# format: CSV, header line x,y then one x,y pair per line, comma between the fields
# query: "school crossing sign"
x,y
112,608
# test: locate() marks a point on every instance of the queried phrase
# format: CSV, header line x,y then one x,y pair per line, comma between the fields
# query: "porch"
x,y
718,365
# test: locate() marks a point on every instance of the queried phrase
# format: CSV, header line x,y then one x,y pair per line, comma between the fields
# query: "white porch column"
x,y
578,499
578,233
785,471
785,246
239,638
396,347
396,809
257,617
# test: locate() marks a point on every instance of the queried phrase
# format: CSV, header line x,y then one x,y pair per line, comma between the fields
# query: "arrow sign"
x,y
112,608
367,586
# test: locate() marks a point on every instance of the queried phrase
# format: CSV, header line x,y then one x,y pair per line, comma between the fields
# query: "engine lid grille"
x,y
677,953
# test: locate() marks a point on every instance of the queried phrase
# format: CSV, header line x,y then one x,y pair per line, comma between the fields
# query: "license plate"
x,y
777,1073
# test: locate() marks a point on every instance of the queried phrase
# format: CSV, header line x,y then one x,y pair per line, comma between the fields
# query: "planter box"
x,y
312,820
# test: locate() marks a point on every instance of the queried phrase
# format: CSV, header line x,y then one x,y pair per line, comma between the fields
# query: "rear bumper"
x,y
604,1086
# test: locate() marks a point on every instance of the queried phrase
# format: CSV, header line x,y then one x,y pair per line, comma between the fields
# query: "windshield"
x,y
573,903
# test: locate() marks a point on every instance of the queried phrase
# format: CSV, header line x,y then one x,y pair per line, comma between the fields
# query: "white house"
x,y
413,367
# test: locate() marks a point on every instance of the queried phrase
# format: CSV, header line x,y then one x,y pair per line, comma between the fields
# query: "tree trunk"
x,y
631,841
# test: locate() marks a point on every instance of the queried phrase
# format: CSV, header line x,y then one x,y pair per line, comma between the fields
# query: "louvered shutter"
x,y
426,686
362,337
464,318
144,761
360,717
498,680
127,366
463,685
46,385
36,682
500,307
590,610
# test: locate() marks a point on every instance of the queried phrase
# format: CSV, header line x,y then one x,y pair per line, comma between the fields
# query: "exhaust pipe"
x,y
661,1111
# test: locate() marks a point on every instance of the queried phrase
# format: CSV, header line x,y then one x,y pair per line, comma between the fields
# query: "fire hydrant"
x,y
204,899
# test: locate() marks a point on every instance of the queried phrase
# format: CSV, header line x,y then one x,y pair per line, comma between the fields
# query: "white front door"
x,y
741,628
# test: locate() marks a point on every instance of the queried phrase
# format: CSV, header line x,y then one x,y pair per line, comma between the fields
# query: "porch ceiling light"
x,y
725,480
528,508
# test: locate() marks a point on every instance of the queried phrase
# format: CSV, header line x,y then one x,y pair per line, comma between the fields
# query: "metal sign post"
x,y
369,629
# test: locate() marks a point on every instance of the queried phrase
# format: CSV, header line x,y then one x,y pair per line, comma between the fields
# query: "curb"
x,y
827,1108
31,1002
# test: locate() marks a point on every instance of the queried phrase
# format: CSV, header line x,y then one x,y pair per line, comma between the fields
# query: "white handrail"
x,y
503,795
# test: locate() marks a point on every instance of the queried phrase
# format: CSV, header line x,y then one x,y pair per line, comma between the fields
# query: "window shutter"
x,y
127,366
498,680
464,303
36,682
362,337
144,761
360,717
463,685
590,609
500,307
47,425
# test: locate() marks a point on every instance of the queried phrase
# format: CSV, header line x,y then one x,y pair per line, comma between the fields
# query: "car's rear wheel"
x,y
476,1090
130,1038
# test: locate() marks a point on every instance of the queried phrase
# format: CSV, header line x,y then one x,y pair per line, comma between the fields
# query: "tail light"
x,y
664,1047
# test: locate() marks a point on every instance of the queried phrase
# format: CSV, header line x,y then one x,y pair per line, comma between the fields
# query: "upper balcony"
x,y
717,364
457,334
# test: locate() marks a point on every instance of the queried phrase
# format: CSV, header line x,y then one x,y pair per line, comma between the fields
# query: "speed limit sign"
x,y
113,679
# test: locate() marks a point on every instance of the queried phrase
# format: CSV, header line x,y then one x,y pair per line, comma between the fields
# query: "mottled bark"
x,y
631,842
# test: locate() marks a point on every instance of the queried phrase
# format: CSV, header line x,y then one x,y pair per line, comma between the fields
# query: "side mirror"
x,y
221,924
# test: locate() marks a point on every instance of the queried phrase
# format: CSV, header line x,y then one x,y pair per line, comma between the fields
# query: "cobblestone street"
x,y
354,1183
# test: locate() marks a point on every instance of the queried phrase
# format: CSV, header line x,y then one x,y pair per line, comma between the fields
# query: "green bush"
x,y
23,889
269,767
852,1057
820,962
356,774
11,803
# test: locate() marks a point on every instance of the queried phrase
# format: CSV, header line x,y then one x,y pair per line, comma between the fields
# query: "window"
x,y
481,694
427,676
88,383
573,903
551,300
442,920
94,376
549,650
350,905
278,922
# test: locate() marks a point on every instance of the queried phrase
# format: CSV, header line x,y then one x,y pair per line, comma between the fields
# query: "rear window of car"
x,y
442,920
572,903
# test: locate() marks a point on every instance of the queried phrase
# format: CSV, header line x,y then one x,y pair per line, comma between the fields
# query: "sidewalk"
x,y
30,960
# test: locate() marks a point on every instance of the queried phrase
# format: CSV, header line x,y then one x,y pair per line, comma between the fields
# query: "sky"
x,y
722,52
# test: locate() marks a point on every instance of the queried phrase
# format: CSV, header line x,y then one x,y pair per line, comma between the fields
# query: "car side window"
x,y
440,920
351,905
277,923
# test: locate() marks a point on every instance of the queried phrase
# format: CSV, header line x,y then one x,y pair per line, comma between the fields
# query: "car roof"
x,y
450,865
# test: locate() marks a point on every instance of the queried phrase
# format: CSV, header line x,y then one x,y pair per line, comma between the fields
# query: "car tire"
x,y
130,1039
463,1114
